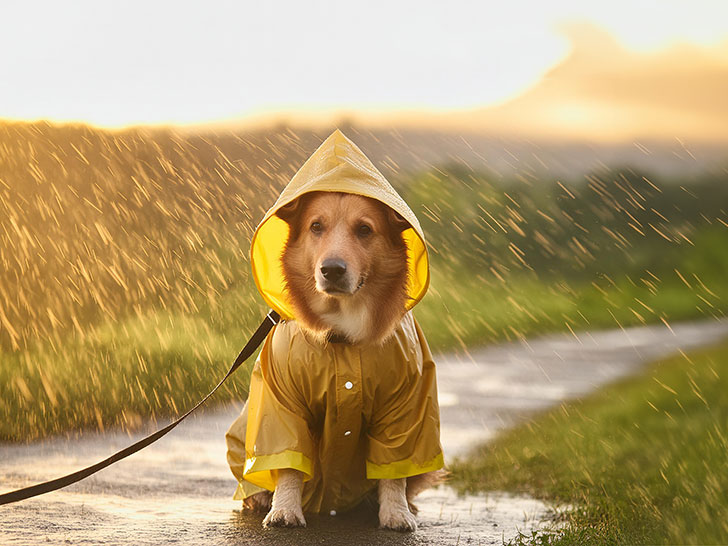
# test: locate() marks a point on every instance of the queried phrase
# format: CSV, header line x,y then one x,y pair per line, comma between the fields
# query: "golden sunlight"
x,y
516,64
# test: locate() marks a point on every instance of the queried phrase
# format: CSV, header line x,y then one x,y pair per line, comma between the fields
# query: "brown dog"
x,y
343,396
345,267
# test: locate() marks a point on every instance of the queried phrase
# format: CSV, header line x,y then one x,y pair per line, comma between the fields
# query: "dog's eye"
x,y
316,227
363,230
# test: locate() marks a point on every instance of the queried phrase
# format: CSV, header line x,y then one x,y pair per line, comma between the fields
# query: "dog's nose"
x,y
333,269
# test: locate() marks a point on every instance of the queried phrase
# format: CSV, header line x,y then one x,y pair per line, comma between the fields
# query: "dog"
x,y
343,395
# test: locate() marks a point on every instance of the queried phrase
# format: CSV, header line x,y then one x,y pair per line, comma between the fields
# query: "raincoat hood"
x,y
337,165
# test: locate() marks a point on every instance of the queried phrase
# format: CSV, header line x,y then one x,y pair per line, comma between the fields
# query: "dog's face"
x,y
342,248
340,238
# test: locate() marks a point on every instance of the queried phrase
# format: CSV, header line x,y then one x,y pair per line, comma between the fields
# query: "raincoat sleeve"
x,y
404,435
278,434
235,440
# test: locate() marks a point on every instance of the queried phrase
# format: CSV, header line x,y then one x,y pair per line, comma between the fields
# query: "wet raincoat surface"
x,y
344,415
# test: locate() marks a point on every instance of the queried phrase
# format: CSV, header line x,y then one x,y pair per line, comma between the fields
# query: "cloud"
x,y
604,91
601,91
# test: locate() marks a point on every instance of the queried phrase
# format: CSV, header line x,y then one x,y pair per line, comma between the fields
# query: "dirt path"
x,y
179,490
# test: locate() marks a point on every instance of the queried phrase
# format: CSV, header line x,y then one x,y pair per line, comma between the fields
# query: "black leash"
x,y
34,490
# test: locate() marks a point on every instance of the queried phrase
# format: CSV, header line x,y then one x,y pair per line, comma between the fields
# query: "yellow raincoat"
x,y
344,415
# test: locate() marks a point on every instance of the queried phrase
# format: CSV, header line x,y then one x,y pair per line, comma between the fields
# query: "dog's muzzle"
x,y
333,278
333,270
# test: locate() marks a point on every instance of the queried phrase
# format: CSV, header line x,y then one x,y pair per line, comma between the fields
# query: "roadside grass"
x,y
155,363
467,309
160,362
644,461
120,374
125,289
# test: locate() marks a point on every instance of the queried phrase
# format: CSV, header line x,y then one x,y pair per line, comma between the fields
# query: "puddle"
x,y
444,518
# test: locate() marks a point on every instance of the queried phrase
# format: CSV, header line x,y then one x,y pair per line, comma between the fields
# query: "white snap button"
x,y
347,433
333,512
349,385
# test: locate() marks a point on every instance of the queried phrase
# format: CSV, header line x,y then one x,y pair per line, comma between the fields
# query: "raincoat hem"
x,y
259,470
246,489
402,469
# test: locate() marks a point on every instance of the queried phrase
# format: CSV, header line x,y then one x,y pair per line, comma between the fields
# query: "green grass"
x,y
125,288
465,309
149,366
158,363
644,461
154,363
119,373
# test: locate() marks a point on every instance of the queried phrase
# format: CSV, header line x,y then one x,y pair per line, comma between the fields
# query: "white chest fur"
x,y
350,319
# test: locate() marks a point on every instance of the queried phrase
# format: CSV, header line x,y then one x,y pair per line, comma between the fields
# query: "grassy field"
x,y
124,278
475,311
644,461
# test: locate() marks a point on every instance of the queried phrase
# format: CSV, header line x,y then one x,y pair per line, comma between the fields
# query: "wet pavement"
x,y
179,489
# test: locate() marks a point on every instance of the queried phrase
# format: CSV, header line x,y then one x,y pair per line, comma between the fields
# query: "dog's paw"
x,y
260,502
284,517
397,519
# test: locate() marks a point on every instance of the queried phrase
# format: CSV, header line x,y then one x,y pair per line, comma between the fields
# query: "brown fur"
x,y
421,482
376,265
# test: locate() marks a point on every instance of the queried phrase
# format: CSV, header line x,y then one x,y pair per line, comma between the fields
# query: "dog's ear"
x,y
397,225
396,222
290,211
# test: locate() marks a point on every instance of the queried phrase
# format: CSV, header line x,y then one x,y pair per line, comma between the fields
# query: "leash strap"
x,y
33,491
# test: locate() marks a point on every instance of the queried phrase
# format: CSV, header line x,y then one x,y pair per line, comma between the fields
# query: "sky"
x,y
115,64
